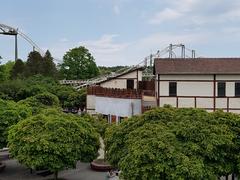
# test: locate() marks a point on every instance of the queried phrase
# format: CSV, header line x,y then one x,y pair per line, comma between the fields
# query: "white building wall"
x,y
234,103
164,88
91,101
118,106
228,77
115,83
121,82
186,77
230,89
168,100
204,102
197,90
194,89
186,102
221,103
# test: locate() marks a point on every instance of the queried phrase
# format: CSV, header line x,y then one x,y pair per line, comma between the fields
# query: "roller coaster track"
x,y
147,62
11,31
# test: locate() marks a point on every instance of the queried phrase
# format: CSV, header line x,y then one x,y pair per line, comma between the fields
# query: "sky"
x,y
122,32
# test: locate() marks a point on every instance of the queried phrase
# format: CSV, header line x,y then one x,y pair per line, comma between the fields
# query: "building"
x,y
117,97
208,83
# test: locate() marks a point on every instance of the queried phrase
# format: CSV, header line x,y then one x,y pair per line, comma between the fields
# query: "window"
x,y
221,89
237,88
130,83
121,119
172,89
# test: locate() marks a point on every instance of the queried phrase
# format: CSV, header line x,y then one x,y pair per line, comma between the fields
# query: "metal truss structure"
x,y
11,31
171,51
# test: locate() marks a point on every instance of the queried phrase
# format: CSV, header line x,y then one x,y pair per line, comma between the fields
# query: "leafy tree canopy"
x,y
5,71
53,140
36,64
78,63
49,67
18,69
76,100
10,114
41,101
169,143
108,70
98,122
20,89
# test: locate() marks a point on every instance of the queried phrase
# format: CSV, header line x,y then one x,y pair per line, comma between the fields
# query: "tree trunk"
x,y
56,175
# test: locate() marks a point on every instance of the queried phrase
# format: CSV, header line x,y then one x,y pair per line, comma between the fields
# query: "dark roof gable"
x,y
197,66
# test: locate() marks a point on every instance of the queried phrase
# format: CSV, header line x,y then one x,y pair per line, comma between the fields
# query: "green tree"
x,y
108,70
78,63
11,90
231,162
98,122
10,114
169,143
5,71
63,92
53,140
18,69
49,67
40,102
19,89
34,64
76,100
2,73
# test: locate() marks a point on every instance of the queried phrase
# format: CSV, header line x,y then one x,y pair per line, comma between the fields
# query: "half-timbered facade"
x,y
208,83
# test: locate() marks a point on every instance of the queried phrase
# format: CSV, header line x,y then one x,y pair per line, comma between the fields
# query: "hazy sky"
x,y
123,32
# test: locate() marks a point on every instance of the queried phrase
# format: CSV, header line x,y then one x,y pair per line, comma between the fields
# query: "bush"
x,y
53,140
10,114
97,122
169,143
40,102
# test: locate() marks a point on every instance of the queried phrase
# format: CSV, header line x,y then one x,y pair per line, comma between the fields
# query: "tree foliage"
x,y
169,143
53,140
76,100
18,69
36,64
11,90
5,71
78,63
20,89
10,114
49,67
40,102
99,123
108,70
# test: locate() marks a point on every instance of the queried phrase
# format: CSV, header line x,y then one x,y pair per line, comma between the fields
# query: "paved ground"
x,y
4,155
15,171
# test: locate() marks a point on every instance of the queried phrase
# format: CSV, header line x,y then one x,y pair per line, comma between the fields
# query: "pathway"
x,y
15,171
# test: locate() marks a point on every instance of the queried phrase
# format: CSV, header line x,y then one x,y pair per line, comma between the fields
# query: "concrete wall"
x,y
118,106
91,101
197,91
121,81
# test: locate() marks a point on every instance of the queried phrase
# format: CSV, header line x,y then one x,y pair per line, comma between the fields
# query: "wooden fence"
x,y
114,92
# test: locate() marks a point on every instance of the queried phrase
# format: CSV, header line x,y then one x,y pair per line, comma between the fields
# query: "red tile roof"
x,y
197,66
